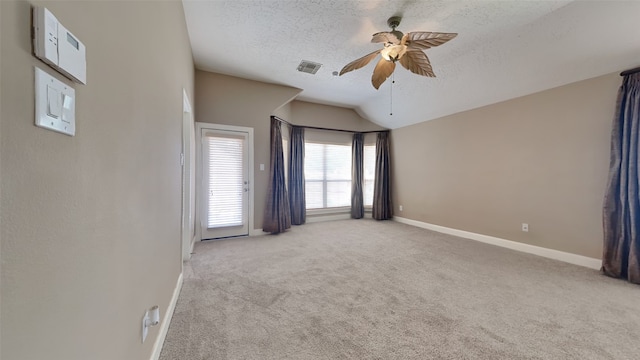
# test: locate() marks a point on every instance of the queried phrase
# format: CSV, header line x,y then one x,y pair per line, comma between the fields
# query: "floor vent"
x,y
309,67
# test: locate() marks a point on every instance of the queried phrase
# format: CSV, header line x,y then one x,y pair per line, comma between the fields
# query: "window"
x,y
285,154
327,171
369,174
224,163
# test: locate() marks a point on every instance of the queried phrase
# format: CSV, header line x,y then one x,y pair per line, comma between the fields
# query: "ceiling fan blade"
x,y
417,62
358,63
385,37
426,39
382,71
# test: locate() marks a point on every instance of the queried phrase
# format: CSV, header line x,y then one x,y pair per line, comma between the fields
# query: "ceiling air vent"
x,y
309,67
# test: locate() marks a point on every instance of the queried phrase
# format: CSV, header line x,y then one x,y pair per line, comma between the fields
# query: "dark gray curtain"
x,y
357,170
382,204
621,215
276,214
297,200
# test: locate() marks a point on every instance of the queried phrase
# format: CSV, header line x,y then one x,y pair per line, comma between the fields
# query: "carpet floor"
x,y
363,289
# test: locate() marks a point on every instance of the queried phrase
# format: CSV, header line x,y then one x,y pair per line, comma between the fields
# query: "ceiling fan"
x,y
405,48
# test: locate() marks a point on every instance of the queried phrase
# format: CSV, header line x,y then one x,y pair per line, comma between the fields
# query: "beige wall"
x,y
310,114
331,117
283,112
541,159
91,223
228,100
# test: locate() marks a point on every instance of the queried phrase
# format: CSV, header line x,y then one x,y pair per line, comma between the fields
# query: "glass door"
x,y
225,184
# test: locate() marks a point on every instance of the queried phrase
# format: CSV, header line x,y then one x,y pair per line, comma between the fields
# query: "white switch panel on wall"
x,y
55,104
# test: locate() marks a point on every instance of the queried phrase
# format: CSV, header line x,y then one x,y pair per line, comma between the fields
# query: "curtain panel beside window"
x,y
357,170
621,214
297,200
382,204
277,217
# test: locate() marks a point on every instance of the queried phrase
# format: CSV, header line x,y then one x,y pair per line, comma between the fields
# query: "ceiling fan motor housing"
x,y
394,22
398,34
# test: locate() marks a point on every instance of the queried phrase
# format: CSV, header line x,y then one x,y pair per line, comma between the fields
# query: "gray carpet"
x,y
361,289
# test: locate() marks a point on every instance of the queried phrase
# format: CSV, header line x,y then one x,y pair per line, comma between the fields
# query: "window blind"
x,y
327,171
285,154
224,162
369,173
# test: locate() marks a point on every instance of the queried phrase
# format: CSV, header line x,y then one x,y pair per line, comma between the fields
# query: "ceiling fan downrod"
x,y
393,23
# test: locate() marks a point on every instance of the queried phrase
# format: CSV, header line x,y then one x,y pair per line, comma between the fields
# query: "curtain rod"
x,y
630,71
327,129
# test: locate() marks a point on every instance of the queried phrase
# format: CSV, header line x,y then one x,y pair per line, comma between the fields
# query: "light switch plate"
x,y
55,104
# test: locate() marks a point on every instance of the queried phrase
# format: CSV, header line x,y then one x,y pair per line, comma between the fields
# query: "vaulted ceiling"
x,y
505,49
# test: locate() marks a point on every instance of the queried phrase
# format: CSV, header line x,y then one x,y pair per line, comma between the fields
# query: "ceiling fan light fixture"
x,y
393,52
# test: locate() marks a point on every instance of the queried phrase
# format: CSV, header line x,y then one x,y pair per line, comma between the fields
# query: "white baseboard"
x,y
321,218
257,232
509,244
166,320
315,219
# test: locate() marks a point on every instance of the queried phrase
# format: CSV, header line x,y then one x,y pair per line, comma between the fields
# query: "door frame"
x,y
188,178
200,193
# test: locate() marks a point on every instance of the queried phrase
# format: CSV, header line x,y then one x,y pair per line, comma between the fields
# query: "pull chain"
x,y
393,81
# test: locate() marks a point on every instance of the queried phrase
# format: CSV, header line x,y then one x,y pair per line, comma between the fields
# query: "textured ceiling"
x,y
504,49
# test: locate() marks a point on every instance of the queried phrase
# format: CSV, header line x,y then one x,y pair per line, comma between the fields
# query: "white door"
x,y
225,183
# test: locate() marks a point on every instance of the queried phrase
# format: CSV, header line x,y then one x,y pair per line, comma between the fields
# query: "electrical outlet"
x,y
525,227
151,318
145,325
400,207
